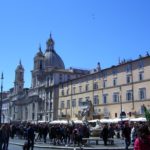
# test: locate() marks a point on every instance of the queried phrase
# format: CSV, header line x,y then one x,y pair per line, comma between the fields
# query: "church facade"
x,y
40,102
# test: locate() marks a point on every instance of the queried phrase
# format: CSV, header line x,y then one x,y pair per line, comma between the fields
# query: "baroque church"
x,y
40,102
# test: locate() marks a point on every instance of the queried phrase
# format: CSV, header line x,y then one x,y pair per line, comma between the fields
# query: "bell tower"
x,y
19,79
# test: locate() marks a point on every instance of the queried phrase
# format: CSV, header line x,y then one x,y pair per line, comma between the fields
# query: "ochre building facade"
x,y
118,91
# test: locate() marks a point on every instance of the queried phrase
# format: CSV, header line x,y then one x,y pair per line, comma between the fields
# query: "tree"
x,y
147,113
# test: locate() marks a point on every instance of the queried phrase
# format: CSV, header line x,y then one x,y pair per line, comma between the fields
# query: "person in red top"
x,y
142,142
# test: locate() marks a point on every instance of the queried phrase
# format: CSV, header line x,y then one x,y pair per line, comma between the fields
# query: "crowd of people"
x,y
137,134
57,134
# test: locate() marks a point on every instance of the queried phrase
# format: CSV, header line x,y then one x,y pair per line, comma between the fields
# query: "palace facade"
x,y
118,91
60,93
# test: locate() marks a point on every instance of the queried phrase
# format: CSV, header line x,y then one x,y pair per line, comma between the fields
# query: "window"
x,y
114,72
50,94
47,81
51,106
141,65
41,64
80,102
74,90
116,97
51,77
67,91
105,74
141,76
129,79
14,116
114,81
105,98
142,111
95,86
47,106
80,88
68,104
62,105
87,87
21,74
95,77
128,68
33,116
33,107
62,92
60,77
87,98
46,117
129,95
104,83
99,76
14,109
68,77
142,93
96,100
74,103
95,111
26,113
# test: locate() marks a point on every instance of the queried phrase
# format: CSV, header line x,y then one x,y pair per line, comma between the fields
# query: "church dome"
x,y
52,59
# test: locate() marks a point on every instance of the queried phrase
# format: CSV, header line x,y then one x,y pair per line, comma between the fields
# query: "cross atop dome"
x,y
40,50
20,62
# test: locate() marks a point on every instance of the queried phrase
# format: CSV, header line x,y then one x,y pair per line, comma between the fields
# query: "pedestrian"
x,y
105,133
134,132
111,133
30,136
76,136
45,132
7,135
126,134
4,137
142,142
1,138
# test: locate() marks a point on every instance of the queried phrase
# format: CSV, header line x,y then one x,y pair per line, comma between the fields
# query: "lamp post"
x,y
1,97
120,105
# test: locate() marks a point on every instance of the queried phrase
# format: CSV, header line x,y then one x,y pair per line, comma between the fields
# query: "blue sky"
x,y
85,32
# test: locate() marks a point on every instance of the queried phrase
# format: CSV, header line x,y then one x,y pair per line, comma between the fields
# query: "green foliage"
x,y
147,113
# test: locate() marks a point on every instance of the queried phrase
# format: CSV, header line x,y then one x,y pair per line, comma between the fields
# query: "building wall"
x,y
127,89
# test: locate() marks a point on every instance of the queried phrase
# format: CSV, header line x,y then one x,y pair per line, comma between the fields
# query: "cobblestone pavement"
x,y
118,145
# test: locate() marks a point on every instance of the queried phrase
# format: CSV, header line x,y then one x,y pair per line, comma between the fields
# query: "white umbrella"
x,y
95,120
125,119
116,120
105,120
59,122
78,121
138,119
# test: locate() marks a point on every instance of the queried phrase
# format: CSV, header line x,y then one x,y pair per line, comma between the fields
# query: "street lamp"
x,y
120,105
1,96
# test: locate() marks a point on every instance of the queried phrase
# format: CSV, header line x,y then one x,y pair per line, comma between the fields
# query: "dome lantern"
x,y
52,59
50,44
